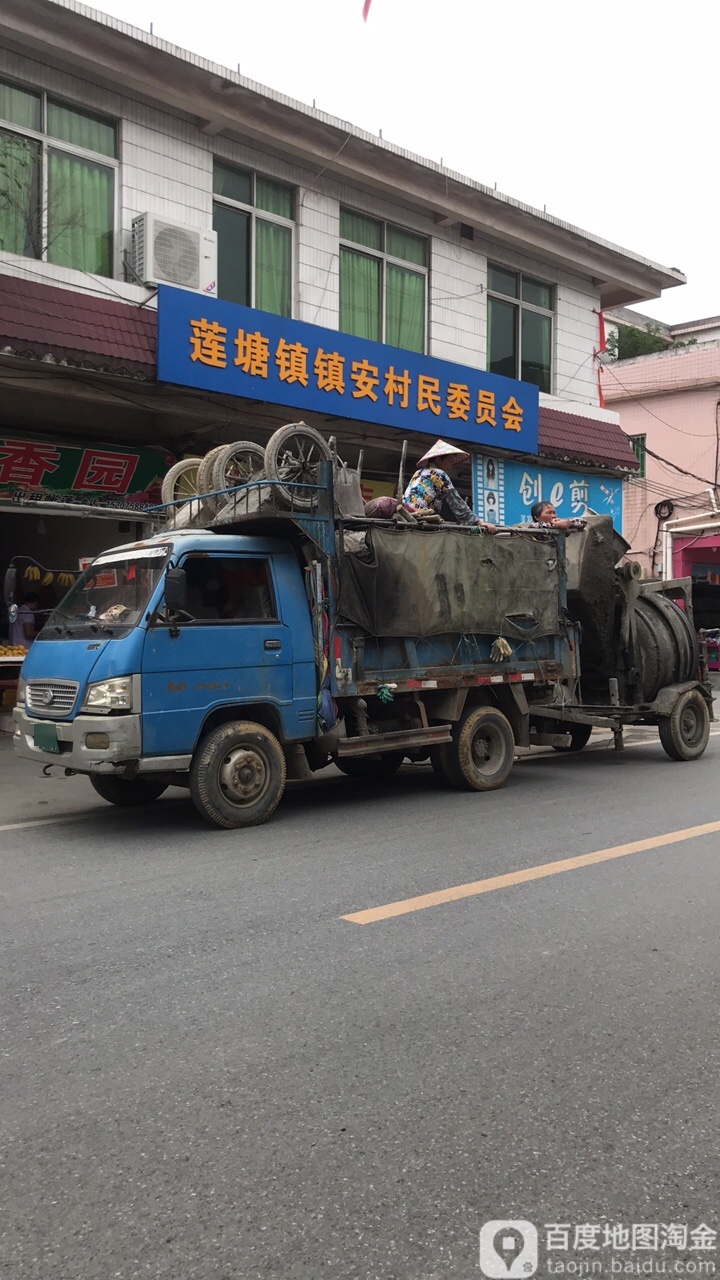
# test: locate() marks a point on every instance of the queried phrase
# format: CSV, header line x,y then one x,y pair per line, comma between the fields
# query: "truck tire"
x,y
685,732
237,775
481,753
291,457
380,768
441,765
579,736
126,793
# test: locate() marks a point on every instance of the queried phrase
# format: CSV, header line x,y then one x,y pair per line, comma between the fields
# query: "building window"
x,y
383,282
253,217
638,444
57,181
520,327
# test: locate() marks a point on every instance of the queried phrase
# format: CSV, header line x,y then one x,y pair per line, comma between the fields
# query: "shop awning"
x,y
571,437
81,331
75,328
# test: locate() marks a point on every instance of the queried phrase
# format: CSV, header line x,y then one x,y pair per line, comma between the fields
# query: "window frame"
x,y
255,212
213,557
641,454
520,304
388,259
47,144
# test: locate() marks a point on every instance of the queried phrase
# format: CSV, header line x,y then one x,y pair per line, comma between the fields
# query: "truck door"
x,y
231,648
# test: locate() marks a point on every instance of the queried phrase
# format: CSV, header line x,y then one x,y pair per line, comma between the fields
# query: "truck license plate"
x,y
45,737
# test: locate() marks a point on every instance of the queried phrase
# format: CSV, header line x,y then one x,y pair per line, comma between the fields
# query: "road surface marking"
x,y
407,905
46,822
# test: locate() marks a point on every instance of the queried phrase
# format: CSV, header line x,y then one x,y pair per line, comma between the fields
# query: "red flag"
x,y
366,9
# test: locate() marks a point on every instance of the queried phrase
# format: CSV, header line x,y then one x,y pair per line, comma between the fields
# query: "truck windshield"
x,y
110,596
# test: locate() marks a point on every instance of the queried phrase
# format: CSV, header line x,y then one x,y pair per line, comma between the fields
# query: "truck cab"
x,y
158,645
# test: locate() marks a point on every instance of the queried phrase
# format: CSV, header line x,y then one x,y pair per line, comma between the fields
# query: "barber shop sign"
x,y
504,491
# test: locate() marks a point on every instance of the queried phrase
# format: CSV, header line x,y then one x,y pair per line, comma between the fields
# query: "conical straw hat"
x,y
441,449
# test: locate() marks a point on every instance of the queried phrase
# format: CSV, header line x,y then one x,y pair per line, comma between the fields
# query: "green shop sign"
x,y
97,475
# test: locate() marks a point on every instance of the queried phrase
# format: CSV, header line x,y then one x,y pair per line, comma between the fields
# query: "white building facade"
x,y
315,220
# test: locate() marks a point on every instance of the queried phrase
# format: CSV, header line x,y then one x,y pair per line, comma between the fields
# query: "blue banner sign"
x,y
505,490
221,346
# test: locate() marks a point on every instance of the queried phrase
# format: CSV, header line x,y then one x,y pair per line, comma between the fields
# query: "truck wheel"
x,y
127,792
378,768
441,764
237,775
685,732
579,736
481,753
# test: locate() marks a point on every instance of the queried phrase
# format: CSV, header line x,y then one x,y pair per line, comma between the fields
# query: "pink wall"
x,y
690,551
672,399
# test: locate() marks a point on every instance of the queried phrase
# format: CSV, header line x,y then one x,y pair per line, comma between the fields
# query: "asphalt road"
x,y
209,1073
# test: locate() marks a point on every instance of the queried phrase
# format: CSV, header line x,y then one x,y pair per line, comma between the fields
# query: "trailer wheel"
x,y
378,768
292,455
481,753
685,732
127,793
237,775
579,736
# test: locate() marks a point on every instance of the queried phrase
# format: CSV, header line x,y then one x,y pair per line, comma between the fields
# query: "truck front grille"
x,y
53,698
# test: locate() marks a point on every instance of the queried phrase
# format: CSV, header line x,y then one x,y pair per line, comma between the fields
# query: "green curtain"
x,y
404,309
273,268
20,223
80,213
80,129
360,230
274,197
359,294
407,245
537,350
20,107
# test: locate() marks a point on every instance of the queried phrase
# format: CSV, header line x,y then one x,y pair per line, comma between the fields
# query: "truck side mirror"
x,y
175,589
10,585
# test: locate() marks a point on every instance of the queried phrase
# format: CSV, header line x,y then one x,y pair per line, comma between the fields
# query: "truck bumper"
x,y
123,734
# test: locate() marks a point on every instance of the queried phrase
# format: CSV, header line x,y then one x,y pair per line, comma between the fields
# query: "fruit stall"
x,y
49,585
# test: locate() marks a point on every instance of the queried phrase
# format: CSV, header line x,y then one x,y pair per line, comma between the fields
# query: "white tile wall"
x,y
166,167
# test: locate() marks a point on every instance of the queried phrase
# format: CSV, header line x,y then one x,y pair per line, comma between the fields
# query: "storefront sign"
x,y
505,491
220,346
84,475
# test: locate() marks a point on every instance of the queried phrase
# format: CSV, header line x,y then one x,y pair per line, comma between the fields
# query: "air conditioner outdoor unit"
x,y
169,253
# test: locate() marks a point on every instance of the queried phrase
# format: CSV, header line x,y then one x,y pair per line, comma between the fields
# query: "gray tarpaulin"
x,y
424,582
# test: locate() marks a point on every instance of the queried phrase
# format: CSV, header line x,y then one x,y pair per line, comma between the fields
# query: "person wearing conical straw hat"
x,y
431,489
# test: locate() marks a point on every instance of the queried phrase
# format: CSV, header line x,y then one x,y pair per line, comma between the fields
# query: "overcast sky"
x,y
605,113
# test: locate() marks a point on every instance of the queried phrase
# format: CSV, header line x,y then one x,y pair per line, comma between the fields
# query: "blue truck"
x,y
275,640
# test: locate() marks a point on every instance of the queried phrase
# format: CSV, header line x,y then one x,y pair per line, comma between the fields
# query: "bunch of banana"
x,y
32,573
48,579
65,579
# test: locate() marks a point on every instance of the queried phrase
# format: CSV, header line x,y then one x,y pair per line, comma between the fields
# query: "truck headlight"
x,y
109,695
21,693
